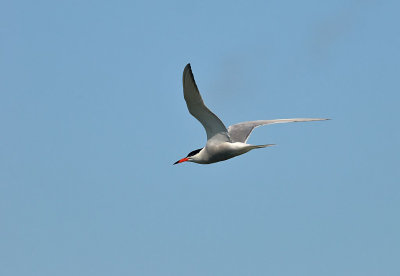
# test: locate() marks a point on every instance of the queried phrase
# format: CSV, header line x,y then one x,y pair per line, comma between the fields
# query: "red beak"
x,y
182,160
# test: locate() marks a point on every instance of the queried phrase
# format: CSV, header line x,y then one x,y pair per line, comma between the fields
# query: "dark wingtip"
x,y
176,163
188,74
187,69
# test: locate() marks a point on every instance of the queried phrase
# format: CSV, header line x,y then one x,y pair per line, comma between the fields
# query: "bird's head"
x,y
190,157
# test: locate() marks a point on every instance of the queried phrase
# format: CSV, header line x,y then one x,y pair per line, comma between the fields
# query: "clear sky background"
x,y
92,117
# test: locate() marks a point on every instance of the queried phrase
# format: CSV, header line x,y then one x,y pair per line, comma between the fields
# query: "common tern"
x,y
222,143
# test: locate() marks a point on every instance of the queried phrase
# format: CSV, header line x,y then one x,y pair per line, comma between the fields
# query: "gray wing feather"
x,y
240,132
212,124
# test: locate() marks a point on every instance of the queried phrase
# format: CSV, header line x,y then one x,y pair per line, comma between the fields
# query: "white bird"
x,y
222,143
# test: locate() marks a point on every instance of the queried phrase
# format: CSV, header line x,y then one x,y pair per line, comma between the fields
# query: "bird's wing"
x,y
240,132
213,125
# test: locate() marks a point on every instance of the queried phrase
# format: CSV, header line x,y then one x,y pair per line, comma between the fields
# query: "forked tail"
x,y
261,146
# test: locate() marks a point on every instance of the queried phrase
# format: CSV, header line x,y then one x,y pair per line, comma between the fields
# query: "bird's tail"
x,y
261,146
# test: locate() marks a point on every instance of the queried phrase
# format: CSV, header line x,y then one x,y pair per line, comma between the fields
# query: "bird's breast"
x,y
222,151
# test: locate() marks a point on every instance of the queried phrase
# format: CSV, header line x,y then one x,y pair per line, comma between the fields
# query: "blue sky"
x,y
92,118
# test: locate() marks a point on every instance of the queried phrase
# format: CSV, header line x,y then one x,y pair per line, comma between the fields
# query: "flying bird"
x,y
222,143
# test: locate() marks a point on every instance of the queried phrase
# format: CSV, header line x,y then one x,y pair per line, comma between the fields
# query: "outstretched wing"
x,y
212,124
240,132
